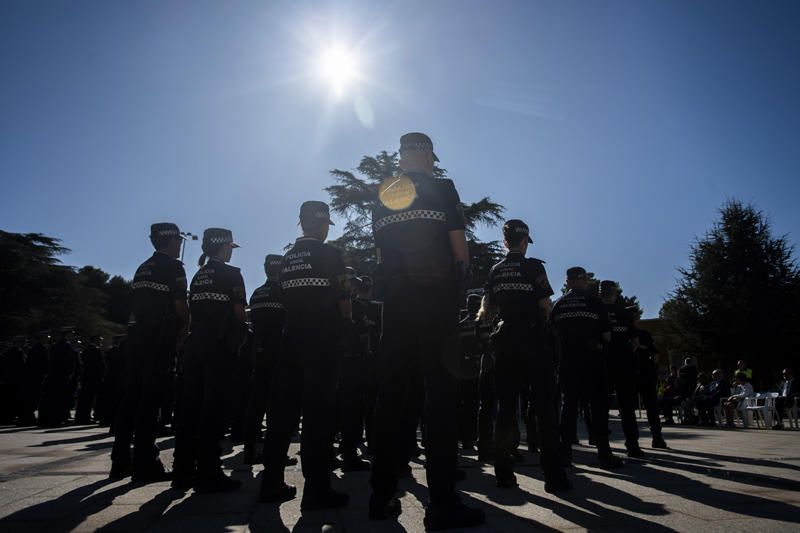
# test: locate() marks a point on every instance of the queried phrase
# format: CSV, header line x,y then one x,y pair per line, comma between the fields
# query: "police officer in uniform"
x,y
472,348
518,288
583,328
160,317
315,292
351,383
622,363
218,330
90,381
646,383
267,315
422,252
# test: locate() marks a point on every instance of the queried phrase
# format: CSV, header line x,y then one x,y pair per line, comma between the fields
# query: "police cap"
x,y
577,273
218,236
514,228
315,210
164,229
417,141
273,260
608,287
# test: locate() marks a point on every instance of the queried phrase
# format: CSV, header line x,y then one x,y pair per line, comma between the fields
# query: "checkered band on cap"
x,y
305,282
577,314
417,146
620,329
220,240
213,296
418,214
526,287
168,232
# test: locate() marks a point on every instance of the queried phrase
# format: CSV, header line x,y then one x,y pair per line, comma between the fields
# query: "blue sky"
x,y
615,129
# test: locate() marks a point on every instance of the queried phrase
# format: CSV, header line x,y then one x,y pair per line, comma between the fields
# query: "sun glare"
x,y
338,68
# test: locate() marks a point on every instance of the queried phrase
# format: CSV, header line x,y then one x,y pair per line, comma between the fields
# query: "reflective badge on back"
x,y
397,192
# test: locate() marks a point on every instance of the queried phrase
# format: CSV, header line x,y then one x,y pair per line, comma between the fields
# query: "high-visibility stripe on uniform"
x,y
620,329
305,282
265,305
215,296
150,285
526,287
417,214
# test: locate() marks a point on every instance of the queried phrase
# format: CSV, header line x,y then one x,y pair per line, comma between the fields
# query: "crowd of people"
x,y
368,363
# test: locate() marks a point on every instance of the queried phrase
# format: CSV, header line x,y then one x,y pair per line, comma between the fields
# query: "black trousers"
x,y
304,383
420,334
85,402
488,405
146,379
352,377
582,376
521,355
623,379
264,359
646,388
208,369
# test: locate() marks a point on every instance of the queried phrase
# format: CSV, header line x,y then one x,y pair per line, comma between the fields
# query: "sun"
x,y
338,67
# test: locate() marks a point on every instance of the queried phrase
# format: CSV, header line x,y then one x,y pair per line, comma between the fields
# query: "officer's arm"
x,y
458,247
238,312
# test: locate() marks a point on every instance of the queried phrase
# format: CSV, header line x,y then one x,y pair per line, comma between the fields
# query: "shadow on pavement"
x,y
74,440
66,512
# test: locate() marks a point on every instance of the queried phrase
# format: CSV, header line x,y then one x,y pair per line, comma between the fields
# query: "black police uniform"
x,y
622,371
90,382
374,327
313,282
420,330
487,411
515,286
267,316
209,358
56,397
472,348
580,320
35,371
646,383
157,284
351,388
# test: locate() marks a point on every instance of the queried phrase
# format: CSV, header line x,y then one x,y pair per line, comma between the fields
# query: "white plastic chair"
x,y
763,405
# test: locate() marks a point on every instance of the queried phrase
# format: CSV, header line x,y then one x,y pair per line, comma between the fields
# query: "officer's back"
x,y
266,307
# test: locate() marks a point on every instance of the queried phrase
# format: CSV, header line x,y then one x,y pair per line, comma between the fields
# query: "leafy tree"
x,y
38,292
354,194
628,301
737,299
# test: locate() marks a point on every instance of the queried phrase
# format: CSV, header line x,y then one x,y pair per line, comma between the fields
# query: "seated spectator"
x,y
718,389
689,404
735,402
741,366
787,394
669,397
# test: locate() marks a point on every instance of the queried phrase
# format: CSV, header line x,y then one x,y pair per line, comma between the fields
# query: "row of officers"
x,y
314,330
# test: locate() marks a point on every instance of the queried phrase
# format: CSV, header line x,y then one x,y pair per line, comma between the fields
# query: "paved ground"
x,y
709,480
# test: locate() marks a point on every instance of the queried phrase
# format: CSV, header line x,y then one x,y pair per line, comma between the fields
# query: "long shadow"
x,y
147,514
734,502
67,511
75,440
15,429
744,460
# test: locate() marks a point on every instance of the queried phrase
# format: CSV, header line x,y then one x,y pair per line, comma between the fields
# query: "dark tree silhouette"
x,y
737,299
354,194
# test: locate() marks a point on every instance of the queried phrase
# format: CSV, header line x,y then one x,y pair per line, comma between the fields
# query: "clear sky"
x,y
615,129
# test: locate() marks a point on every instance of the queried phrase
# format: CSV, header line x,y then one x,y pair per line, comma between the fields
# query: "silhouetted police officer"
x,y
315,293
351,383
583,329
89,381
622,363
56,394
422,251
374,314
217,332
518,288
109,399
160,316
35,371
267,316
472,348
646,383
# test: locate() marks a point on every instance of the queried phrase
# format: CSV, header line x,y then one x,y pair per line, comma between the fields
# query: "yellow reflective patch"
x,y
397,192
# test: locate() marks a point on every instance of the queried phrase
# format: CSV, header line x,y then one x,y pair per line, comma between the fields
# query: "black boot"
x,y
456,515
